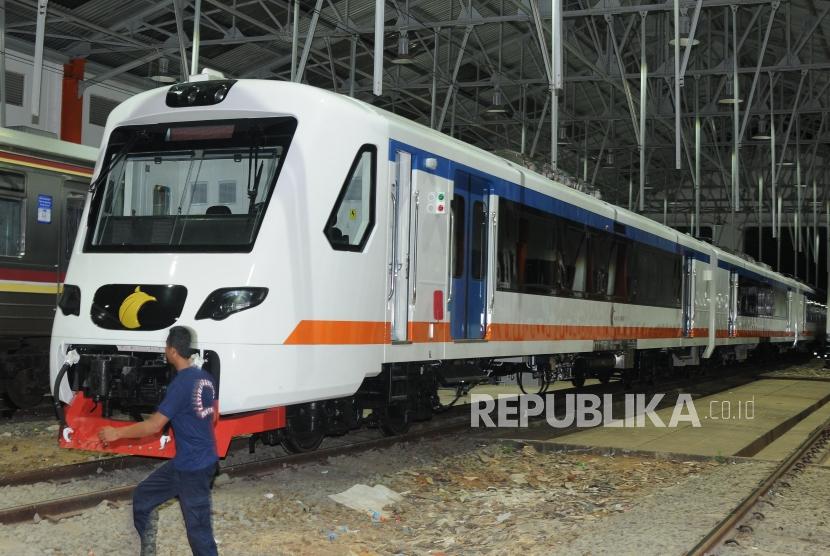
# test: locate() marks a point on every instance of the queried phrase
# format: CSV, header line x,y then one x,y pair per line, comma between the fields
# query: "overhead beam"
x,y
298,78
453,84
114,72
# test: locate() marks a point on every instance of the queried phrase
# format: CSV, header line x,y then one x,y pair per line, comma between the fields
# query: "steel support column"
x,y
677,77
177,12
37,75
643,84
295,40
434,95
2,63
377,73
197,20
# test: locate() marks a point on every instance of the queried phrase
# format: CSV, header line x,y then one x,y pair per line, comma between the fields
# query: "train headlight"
x,y
70,301
204,93
226,301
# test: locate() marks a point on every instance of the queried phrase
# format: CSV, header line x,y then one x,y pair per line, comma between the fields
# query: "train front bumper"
x,y
107,382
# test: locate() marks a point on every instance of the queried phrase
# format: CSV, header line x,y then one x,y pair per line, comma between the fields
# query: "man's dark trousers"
x,y
193,491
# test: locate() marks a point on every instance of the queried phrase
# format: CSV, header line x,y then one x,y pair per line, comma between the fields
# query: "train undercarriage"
x,y
24,369
131,385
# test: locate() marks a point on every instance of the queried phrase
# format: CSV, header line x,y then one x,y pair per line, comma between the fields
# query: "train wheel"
x,y
604,377
395,420
298,443
24,389
579,378
536,385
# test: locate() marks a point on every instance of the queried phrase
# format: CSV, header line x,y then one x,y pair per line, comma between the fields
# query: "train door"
x,y
468,311
688,296
732,323
789,310
403,239
74,195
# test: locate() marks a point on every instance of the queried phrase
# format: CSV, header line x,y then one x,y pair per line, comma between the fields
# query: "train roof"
x,y
494,164
593,204
21,141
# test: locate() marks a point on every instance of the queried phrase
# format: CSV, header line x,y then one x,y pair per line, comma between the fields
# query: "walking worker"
x,y
190,407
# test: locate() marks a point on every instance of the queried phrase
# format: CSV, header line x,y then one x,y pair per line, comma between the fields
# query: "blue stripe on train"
x,y
446,168
741,271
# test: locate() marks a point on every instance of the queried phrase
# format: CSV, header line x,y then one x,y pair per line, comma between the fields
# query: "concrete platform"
x,y
779,406
782,447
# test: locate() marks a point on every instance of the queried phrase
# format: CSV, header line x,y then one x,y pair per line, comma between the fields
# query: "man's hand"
x,y
108,434
152,425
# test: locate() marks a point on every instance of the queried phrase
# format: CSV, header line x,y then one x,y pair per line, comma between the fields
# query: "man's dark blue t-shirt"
x,y
188,404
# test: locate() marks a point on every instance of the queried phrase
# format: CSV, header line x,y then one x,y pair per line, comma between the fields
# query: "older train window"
x,y
353,216
12,214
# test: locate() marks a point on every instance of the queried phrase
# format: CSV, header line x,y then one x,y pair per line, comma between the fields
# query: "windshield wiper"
x,y
103,175
125,149
257,165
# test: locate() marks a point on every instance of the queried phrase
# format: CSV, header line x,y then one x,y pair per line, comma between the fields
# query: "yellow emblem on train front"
x,y
128,312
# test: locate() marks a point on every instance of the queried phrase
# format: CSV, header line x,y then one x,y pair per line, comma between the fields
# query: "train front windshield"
x,y
195,186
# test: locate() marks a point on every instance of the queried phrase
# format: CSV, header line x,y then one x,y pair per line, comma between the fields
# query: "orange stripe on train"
x,y
345,332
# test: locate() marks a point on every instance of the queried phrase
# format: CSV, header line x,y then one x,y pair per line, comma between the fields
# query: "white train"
x,y
337,260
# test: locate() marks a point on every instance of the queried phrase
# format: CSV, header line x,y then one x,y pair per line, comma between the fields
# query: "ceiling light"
x,y
403,56
685,28
762,130
729,97
498,106
162,76
563,136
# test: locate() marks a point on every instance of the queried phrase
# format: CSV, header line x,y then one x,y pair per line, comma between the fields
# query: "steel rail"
x,y
722,531
75,470
63,506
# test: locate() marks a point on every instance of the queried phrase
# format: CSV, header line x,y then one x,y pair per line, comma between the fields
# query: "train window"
x,y
759,299
600,265
457,207
655,277
12,226
227,192
161,200
546,254
73,209
618,273
353,216
539,253
145,202
12,214
11,181
199,193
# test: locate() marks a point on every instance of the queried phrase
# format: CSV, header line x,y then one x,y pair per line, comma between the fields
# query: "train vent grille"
x,y
100,108
14,88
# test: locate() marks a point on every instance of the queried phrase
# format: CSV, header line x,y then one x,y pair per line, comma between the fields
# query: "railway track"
x,y
57,508
809,452
63,507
